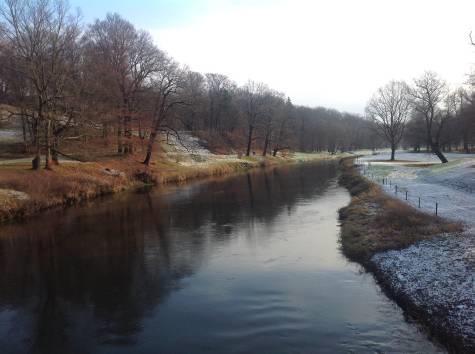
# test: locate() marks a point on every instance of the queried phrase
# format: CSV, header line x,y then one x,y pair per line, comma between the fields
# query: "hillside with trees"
x,y
105,89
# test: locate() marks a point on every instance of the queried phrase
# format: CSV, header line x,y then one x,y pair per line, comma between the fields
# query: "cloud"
x,y
326,53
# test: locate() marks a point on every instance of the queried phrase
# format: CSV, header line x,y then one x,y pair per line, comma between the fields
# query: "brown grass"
x,y
66,184
375,222
71,183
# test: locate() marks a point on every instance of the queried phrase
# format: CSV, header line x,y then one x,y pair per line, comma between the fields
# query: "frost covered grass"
x,y
432,275
450,185
375,222
438,281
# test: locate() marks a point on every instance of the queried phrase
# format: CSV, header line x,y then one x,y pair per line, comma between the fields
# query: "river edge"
x,y
25,193
375,224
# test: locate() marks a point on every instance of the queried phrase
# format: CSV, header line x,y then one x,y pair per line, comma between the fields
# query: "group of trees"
x,y
109,79
426,114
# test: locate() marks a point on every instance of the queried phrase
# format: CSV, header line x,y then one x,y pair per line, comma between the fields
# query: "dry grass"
x,y
71,183
66,184
375,222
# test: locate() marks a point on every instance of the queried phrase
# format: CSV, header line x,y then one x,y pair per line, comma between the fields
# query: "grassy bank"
x,y
375,222
24,192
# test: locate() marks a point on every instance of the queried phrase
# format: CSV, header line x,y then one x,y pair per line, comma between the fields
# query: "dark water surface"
x,y
248,264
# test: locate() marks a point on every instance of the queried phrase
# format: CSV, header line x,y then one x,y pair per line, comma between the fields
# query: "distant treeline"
x,y
62,79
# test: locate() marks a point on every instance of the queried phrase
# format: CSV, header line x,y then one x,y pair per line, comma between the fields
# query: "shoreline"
x,y
377,227
25,193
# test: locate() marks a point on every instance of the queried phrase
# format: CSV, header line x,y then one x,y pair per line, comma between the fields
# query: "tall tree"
x,y
41,36
428,97
389,109
252,101
129,57
166,92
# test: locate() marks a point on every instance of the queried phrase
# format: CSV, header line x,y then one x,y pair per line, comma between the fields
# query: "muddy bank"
x,y
417,258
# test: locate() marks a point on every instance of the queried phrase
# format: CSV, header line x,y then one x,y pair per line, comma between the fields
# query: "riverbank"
x,y
411,255
24,192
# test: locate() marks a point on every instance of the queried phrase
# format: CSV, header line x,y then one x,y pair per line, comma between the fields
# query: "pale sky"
x,y
320,53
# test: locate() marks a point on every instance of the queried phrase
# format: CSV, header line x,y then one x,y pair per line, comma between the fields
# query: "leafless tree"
x,y
166,93
252,101
220,89
282,134
389,109
428,97
130,58
41,35
272,110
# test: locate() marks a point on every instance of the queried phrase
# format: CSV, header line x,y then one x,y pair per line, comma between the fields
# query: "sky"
x,y
332,53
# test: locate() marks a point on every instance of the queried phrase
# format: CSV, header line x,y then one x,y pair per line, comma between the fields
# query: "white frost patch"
x,y
188,144
451,185
13,194
188,150
438,276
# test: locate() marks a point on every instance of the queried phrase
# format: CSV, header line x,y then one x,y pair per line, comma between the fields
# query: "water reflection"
x,y
70,281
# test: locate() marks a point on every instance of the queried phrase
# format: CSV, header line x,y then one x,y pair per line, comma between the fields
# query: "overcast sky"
x,y
332,53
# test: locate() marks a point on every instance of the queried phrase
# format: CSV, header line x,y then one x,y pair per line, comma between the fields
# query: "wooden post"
x,y
419,202
436,208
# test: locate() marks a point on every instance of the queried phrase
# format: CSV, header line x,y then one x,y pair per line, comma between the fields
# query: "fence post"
x,y
395,188
406,195
419,202
436,208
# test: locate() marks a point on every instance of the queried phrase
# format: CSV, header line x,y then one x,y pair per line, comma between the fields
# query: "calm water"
x,y
248,264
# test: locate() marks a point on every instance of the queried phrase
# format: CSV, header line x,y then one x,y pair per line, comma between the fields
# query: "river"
x,y
246,264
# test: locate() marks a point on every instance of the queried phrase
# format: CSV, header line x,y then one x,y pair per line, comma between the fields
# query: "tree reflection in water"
x,y
72,280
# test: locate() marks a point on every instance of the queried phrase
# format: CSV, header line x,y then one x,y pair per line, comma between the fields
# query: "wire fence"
x,y
403,192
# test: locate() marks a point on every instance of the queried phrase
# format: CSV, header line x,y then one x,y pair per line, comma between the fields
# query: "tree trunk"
x,y
120,147
153,136
54,154
465,142
48,145
393,152
249,140
35,163
436,150
23,128
128,146
151,142
266,145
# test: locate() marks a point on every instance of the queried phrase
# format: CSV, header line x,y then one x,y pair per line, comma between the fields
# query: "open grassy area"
x,y
375,222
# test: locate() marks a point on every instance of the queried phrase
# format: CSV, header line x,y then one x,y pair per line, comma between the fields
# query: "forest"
x,y
105,88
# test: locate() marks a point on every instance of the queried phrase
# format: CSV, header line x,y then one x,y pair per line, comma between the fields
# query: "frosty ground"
x,y
435,276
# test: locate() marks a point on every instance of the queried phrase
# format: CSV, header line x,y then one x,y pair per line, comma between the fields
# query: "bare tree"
x,y
41,35
428,97
220,88
252,99
166,93
129,57
283,128
272,108
194,90
389,109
